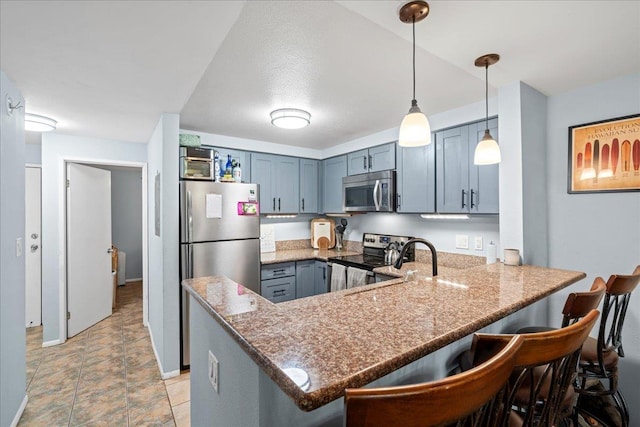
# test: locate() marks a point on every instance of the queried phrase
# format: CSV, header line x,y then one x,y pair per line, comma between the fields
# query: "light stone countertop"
x,y
355,336
301,255
419,269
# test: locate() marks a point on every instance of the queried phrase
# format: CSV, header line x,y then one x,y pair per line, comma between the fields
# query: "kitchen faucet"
x,y
434,257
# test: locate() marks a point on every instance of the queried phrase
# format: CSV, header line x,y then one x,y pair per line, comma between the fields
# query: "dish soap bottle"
x,y
237,173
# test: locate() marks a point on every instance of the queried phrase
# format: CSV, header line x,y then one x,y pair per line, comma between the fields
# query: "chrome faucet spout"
x,y
434,256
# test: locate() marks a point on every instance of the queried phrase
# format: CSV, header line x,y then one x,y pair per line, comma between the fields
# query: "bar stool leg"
x,y
621,406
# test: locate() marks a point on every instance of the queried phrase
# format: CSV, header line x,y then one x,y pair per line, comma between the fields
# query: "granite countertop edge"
x,y
308,401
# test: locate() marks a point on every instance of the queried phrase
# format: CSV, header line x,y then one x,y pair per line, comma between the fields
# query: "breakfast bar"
x,y
289,363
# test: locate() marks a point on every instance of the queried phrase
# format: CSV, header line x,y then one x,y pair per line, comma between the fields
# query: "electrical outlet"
x,y
462,241
213,371
477,245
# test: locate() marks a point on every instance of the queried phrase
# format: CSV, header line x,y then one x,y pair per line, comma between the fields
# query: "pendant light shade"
x,y
415,130
290,118
487,151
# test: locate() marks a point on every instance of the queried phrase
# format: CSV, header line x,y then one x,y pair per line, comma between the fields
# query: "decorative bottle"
x,y
228,169
237,173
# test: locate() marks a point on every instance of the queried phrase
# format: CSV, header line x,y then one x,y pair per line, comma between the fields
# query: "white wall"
x,y
164,279
126,217
595,233
32,154
12,275
56,149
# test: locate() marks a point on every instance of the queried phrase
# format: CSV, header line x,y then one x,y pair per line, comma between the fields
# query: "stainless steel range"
x,y
374,248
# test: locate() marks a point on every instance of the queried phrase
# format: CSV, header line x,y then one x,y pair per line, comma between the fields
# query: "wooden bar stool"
x,y
599,360
540,390
469,396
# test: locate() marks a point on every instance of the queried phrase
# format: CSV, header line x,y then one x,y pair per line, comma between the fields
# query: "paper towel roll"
x,y
491,253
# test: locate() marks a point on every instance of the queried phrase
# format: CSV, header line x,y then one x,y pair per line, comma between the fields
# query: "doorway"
x,y
33,252
139,255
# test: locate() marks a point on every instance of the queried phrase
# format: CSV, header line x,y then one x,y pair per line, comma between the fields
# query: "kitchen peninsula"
x,y
289,363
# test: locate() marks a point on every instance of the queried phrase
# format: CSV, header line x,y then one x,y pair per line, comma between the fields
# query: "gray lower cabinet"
x,y
320,279
374,159
278,282
463,187
291,280
309,186
334,169
305,274
416,179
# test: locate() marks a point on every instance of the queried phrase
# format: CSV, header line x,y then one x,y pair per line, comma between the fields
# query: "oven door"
x,y
371,276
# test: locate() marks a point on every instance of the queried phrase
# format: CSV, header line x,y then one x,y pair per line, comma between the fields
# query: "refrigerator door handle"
x,y
189,218
190,261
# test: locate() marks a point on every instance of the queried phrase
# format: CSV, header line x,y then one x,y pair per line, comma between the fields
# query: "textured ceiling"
x,y
109,69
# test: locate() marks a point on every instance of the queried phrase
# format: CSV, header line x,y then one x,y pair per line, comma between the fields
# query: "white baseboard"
x,y
164,375
51,343
137,279
23,405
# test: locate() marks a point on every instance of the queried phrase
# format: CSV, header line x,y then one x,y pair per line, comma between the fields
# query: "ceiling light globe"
x,y
487,151
37,123
415,130
290,118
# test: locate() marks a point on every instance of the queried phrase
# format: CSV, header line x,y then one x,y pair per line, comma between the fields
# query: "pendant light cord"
x,y
414,55
486,93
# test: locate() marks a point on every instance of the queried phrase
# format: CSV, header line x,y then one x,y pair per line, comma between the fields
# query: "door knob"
x,y
110,250
34,248
34,235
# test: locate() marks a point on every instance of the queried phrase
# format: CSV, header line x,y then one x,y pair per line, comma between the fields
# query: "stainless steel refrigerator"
x,y
219,236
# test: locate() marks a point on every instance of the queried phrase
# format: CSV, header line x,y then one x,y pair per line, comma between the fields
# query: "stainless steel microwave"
x,y
197,163
369,192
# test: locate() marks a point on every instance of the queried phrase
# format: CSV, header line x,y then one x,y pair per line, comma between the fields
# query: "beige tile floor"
x,y
104,376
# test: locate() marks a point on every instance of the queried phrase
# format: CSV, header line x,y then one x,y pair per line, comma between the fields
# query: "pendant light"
x,y
487,151
415,129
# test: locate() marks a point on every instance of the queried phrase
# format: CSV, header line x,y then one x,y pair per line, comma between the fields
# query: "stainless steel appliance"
x,y
373,253
369,192
219,235
197,163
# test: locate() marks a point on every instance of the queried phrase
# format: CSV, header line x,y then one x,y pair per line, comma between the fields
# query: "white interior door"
x,y
33,251
89,280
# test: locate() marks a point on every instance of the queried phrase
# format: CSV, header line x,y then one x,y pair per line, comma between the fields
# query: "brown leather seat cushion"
x,y
590,354
522,394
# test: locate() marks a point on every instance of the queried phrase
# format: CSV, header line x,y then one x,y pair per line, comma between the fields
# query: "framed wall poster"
x,y
604,156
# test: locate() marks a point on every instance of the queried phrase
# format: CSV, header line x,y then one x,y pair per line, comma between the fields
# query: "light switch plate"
x,y
213,371
477,245
462,241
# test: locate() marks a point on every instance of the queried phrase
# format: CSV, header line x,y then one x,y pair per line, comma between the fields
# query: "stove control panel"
x,y
381,241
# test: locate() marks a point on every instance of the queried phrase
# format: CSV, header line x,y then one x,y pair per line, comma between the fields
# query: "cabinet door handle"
x,y
303,203
274,203
278,204
463,194
370,162
324,273
399,199
364,162
279,293
472,193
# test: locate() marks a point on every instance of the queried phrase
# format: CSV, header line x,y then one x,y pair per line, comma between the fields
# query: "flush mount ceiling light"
x,y
290,118
414,129
487,151
37,123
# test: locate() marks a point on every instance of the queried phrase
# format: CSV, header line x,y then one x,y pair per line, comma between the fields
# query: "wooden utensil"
x,y
323,243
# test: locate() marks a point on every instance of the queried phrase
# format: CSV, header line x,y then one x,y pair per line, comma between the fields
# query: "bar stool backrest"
x,y
614,310
579,304
468,398
545,368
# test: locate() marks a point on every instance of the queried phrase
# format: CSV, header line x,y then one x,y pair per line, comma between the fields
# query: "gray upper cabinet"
x,y
416,179
463,187
308,186
278,180
374,159
334,169
483,180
